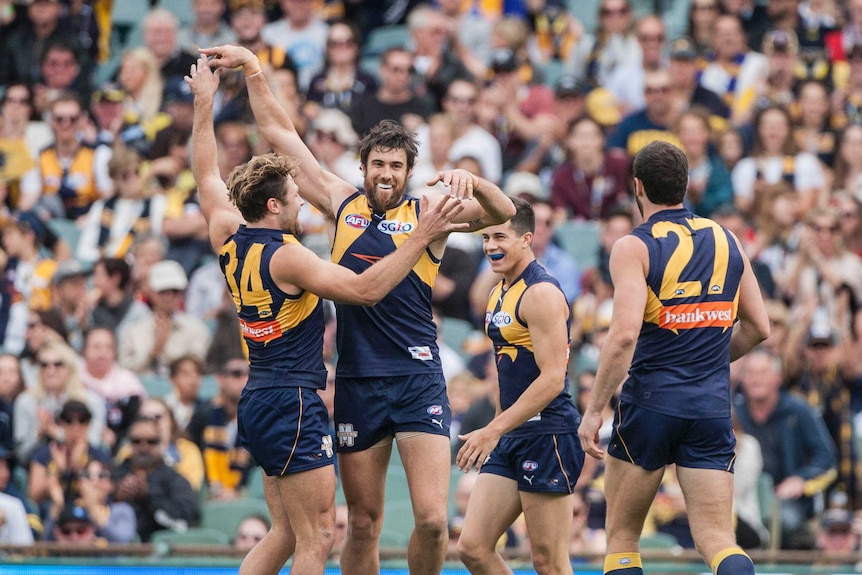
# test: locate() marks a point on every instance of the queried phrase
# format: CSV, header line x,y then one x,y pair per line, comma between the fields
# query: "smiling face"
x,y
386,176
504,247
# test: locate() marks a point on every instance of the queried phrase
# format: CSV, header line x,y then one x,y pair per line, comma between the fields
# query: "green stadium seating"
x,y
225,516
192,536
381,39
658,541
581,240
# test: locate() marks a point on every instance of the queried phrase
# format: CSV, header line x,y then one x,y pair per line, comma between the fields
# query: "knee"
x,y
545,563
364,524
431,528
471,552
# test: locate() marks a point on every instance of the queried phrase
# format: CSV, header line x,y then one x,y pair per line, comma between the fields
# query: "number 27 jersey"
x,y
681,365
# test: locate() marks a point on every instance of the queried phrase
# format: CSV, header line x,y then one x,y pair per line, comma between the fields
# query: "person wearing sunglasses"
x,y
161,497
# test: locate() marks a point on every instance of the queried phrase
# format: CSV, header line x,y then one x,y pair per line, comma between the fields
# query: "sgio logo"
x,y
501,318
393,227
357,221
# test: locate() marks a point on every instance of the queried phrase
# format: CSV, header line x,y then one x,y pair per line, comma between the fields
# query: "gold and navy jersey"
x,y
397,336
283,332
681,365
516,362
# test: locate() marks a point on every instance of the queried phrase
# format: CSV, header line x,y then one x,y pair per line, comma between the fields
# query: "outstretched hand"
x,y
436,222
227,56
461,183
202,80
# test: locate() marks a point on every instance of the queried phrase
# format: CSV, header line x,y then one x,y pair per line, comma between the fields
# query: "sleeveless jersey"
x,y
76,183
284,333
516,364
397,336
681,365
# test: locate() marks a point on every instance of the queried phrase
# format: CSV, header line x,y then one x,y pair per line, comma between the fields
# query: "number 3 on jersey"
x,y
671,286
249,291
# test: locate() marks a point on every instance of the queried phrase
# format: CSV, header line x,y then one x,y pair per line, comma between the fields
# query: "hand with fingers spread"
x,y
461,183
478,445
202,80
437,223
228,56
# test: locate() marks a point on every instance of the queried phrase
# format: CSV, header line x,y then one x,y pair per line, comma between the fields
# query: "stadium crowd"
x,y
122,357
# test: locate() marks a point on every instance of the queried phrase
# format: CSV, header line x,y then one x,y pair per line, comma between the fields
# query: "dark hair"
x,y
97,328
117,267
72,408
251,185
789,148
524,219
176,364
662,168
389,135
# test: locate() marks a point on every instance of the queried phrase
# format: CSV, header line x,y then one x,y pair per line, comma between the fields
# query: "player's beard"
x,y
378,202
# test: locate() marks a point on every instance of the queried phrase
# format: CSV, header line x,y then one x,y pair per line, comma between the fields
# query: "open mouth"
x,y
495,257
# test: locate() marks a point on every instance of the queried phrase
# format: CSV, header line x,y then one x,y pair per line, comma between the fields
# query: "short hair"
x,y
124,159
65,97
389,135
175,365
524,219
662,168
252,184
117,267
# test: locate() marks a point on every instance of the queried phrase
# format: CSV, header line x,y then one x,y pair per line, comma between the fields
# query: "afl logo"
x,y
392,227
357,221
501,319
435,410
530,465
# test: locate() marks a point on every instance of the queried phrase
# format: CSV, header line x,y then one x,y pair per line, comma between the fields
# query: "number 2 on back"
x,y
671,286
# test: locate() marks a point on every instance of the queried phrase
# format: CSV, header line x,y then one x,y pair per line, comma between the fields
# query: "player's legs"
x,y
494,505
549,526
302,509
709,501
629,491
363,478
426,462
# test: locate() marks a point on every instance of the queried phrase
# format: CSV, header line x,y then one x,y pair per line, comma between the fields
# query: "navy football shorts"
x,y
286,429
369,409
549,463
652,440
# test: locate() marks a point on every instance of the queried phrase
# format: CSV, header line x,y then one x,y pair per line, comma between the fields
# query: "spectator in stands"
x,y
435,140
141,80
684,73
341,80
838,533
73,526
42,326
161,497
778,232
160,37
613,45
627,81
589,184
137,208
461,102
59,73
152,343
176,104
433,62
184,398
654,122
56,465
70,299
753,19
813,131
849,210
709,184
120,389
11,386
247,19
775,157
215,432
394,99
106,110
848,163
797,451
234,146
37,409
26,44
735,71
146,252
179,453
301,32
250,531
701,24
115,521
11,488
115,307
333,142
70,175
20,142
846,99
751,533
778,86
14,528
468,35
208,27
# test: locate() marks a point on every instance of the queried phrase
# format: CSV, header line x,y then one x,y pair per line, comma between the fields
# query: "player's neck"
x,y
651,209
515,272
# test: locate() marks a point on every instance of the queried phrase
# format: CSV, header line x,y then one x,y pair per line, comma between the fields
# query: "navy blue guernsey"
x,y
516,363
397,336
284,333
681,365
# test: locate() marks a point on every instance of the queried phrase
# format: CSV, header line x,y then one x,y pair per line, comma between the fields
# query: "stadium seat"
x,y
156,385
192,536
581,240
454,332
225,516
66,230
385,37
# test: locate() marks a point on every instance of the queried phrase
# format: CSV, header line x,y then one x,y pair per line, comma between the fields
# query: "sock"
x,y
732,561
624,564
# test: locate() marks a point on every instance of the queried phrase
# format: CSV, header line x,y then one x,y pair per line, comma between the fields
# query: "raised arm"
x,y
485,203
222,216
545,310
323,189
294,265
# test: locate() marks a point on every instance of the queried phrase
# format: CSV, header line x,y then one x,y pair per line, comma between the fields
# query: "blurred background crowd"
x,y
122,359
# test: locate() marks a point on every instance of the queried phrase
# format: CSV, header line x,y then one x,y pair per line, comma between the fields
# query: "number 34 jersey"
x,y
284,332
681,365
